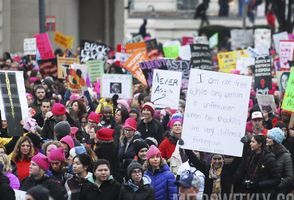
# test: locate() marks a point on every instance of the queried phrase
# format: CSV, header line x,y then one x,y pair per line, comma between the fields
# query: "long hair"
x,y
17,155
147,165
260,139
4,159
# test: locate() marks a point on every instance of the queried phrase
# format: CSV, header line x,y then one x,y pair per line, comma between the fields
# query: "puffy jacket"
x,y
13,180
163,183
6,191
130,191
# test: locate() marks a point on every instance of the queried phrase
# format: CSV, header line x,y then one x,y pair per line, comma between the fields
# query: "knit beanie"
x,y
105,134
171,122
36,140
77,151
134,165
39,192
151,141
276,134
94,117
62,129
56,154
48,81
131,124
139,144
149,106
68,140
152,151
42,161
58,109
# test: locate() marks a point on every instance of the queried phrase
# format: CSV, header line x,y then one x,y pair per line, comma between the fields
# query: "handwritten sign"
x,y
241,38
95,69
93,51
44,46
166,88
76,77
64,41
63,64
216,111
288,102
244,63
171,49
263,75
29,46
286,53
119,84
133,47
262,40
201,57
227,60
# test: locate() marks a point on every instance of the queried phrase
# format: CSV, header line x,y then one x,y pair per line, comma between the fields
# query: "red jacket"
x,y
23,168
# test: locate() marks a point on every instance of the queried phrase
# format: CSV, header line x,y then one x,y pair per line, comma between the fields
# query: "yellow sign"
x,y
227,60
64,65
64,41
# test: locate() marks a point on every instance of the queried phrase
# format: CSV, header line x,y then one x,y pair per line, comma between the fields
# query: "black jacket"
x,y
109,190
151,129
6,192
143,192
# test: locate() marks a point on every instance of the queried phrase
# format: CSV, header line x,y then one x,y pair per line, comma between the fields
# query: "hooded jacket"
x,y
6,191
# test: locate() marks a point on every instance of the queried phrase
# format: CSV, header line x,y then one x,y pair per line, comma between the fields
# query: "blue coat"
x,y
163,183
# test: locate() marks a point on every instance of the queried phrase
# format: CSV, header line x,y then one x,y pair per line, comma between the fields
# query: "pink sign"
x,y
44,46
187,40
291,36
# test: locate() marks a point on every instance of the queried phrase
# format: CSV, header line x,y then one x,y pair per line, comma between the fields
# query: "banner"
x,y
76,77
216,112
266,103
201,57
166,87
149,66
277,38
48,67
63,64
286,53
120,84
44,46
64,41
132,65
95,69
13,102
288,102
241,38
227,60
93,51
263,74
135,47
29,46
262,40
213,41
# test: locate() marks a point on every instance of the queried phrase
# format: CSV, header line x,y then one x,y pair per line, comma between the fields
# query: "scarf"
x,y
215,174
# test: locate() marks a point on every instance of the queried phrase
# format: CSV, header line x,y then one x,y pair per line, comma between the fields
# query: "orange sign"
x,y
132,47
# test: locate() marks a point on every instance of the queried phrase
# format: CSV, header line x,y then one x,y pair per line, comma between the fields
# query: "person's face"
x,y
84,122
177,129
269,142
2,151
102,172
29,197
29,99
40,94
25,148
155,161
49,148
4,124
45,107
59,118
45,86
217,161
146,114
142,153
257,123
75,107
254,145
34,169
188,193
291,132
136,175
66,148
107,113
56,165
133,115
117,117
78,167
128,133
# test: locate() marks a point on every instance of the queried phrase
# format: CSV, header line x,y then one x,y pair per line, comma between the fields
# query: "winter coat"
x,y
22,168
151,129
7,193
108,190
105,150
163,183
55,190
13,180
130,191
167,146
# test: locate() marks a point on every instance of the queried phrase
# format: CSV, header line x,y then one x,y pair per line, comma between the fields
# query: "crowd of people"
x,y
82,146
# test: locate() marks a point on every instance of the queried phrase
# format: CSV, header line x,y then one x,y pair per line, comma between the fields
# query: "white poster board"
x,y
241,38
200,40
286,53
216,112
266,103
277,38
185,52
243,63
166,86
119,84
29,46
262,40
20,195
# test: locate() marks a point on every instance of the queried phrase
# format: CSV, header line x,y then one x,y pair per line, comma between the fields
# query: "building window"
x,y
187,4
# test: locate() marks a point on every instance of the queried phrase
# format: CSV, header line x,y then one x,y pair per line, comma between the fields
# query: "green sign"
x,y
95,69
171,51
288,102
213,40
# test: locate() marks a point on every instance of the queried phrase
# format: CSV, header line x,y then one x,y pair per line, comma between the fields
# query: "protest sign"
x,y
243,63
227,60
63,64
148,67
135,39
13,102
185,52
20,195
93,51
263,74
151,45
44,46
252,52
29,46
283,77
121,57
119,84
166,88
64,41
200,40
213,41
132,47
266,103
48,67
216,112
171,49
132,65
286,53
288,102
277,38
76,77
262,40
201,57
95,69
241,38
187,40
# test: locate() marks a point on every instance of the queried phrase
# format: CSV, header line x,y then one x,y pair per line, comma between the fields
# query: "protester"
x,y
7,171
7,193
141,149
40,95
41,116
38,192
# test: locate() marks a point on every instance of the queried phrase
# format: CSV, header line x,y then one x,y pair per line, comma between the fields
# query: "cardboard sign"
x,y
76,77
48,67
286,53
171,49
13,102
282,80
29,46
266,103
288,102
241,38
277,38
213,40
201,57
119,84
63,64
243,64
44,46
166,88
95,69
263,75
64,41
132,65
262,40
134,47
227,60
216,112
93,51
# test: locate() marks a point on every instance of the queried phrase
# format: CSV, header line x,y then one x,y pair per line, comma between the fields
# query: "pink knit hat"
x,y
73,131
171,122
56,154
152,151
42,161
131,124
68,140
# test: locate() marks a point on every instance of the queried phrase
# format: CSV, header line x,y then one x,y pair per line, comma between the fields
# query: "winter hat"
x,y
124,103
68,140
48,81
39,192
58,109
74,97
189,179
77,151
105,134
149,106
153,151
56,154
73,131
30,124
42,161
256,115
131,124
62,128
140,144
36,140
94,117
134,165
171,122
276,134
151,141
